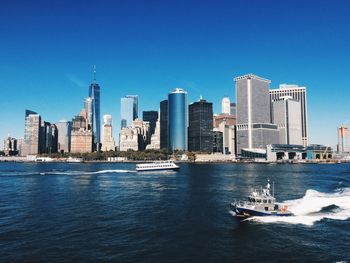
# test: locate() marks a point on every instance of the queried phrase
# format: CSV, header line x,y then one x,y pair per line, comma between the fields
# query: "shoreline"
x,y
24,160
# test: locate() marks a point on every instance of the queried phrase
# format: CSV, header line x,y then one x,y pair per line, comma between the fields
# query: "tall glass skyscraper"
x,y
128,110
177,119
200,130
94,94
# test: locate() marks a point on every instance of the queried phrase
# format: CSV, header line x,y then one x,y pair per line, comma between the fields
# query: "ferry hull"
x,y
157,169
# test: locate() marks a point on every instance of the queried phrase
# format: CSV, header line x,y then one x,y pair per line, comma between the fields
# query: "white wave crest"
x,y
313,207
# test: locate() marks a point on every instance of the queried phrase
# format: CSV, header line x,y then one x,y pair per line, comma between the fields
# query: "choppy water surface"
x,y
107,212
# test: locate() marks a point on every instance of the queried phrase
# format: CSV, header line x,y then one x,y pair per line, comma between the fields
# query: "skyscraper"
x,y
200,130
155,138
163,119
286,113
94,94
31,133
89,110
54,139
225,105
10,146
108,143
254,127
298,94
64,136
128,110
82,135
151,117
45,137
177,119
343,134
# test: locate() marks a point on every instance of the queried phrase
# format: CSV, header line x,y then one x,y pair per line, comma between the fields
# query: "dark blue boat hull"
x,y
245,212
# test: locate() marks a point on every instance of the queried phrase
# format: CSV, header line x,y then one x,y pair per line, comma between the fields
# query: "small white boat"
x,y
157,166
74,160
43,159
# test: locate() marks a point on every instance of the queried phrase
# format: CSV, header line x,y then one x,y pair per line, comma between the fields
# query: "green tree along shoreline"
x,y
147,155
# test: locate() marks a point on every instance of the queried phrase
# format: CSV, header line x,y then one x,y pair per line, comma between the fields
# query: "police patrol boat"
x,y
157,166
260,203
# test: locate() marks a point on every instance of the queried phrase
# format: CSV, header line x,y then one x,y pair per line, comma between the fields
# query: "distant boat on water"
x,y
43,159
70,159
157,166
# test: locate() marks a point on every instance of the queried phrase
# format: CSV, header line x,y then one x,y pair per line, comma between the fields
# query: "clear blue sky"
x,y
148,48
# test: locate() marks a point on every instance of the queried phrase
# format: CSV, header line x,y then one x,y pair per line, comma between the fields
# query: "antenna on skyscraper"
x,y
94,73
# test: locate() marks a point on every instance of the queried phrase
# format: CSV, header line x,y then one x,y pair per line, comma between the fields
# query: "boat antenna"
x,y
273,189
94,71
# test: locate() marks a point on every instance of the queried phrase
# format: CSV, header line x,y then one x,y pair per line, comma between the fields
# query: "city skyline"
x,y
42,80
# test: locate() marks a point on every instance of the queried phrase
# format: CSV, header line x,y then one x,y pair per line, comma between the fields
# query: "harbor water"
x,y
106,212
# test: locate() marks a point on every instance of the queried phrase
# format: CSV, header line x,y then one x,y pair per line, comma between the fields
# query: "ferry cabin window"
x,y
265,201
269,201
251,200
258,200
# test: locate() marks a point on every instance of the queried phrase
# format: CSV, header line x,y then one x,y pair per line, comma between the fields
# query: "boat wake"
x,y
85,172
313,207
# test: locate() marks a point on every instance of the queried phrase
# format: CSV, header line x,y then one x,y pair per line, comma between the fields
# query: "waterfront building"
x,y
217,141
143,128
233,109
286,113
152,118
225,105
225,123
164,132
53,147
81,141
128,110
82,133
228,138
128,139
64,136
155,139
319,152
285,152
45,137
254,127
31,133
298,94
177,120
10,146
200,130
20,146
343,134
94,95
108,143
134,137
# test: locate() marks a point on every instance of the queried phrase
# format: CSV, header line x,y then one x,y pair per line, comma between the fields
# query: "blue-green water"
x,y
92,212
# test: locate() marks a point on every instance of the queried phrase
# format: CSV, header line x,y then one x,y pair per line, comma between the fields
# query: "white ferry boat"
x,y
43,159
157,166
74,160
